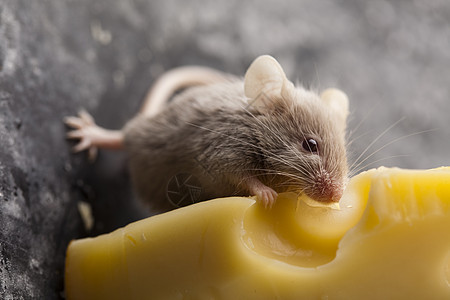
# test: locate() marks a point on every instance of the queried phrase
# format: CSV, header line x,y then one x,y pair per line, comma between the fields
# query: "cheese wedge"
x,y
388,239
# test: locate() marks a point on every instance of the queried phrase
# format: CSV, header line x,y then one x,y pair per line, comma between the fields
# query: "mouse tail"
x,y
177,79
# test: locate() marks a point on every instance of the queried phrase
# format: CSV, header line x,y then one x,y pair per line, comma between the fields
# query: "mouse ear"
x,y
265,78
337,100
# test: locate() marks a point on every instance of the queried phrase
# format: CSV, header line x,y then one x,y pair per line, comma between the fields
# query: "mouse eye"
x,y
310,145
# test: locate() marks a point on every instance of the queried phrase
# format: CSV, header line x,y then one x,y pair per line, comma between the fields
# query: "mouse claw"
x,y
267,197
83,120
74,122
84,144
92,154
86,117
85,131
264,194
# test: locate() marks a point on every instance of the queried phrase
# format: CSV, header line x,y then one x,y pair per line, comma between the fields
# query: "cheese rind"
x,y
390,239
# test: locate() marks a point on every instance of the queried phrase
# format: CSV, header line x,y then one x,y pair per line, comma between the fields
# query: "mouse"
x,y
257,135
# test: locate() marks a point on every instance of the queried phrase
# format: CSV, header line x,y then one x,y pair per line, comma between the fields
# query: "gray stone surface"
x,y
391,57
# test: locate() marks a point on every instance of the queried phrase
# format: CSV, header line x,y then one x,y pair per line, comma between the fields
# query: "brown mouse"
x,y
260,135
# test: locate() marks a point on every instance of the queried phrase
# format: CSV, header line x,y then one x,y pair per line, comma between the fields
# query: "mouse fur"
x,y
215,134
258,135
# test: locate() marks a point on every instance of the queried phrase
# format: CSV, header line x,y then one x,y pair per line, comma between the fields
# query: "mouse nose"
x,y
337,195
328,190
329,195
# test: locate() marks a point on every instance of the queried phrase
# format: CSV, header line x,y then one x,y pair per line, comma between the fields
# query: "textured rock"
x,y
56,57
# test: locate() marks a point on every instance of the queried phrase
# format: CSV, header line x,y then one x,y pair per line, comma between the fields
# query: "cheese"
x,y
390,239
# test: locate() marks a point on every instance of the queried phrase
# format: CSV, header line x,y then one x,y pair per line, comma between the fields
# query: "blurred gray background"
x,y
392,58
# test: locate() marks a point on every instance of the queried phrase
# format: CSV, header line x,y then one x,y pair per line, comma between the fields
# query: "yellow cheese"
x,y
390,239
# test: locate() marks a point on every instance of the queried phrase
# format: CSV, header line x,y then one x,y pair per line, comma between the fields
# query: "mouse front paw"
x,y
266,196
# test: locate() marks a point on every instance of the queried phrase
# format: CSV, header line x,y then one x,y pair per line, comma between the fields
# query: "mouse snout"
x,y
327,189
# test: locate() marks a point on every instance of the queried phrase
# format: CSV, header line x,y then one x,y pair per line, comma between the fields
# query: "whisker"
x,y
355,128
272,155
285,184
317,74
275,172
375,140
392,142
256,175
356,138
356,171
